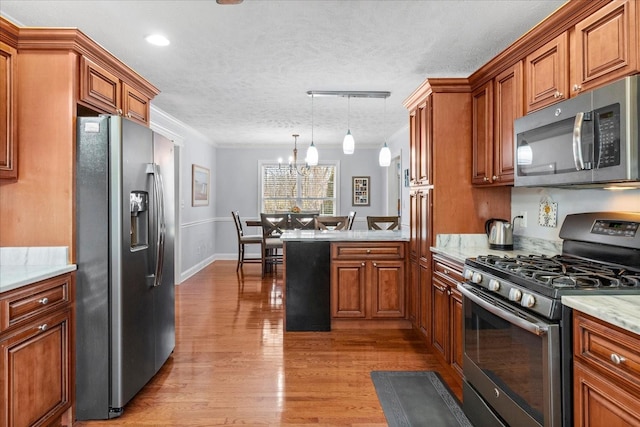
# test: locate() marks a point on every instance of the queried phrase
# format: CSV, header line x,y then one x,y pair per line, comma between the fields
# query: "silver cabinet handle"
x,y
375,264
485,179
43,301
368,251
119,111
577,88
558,94
362,264
616,359
43,327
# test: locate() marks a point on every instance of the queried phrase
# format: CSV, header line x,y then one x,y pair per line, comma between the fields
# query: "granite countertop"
x,y
21,266
346,236
618,310
463,246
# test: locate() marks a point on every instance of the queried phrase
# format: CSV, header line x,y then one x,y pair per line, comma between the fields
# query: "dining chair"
x,y
332,222
383,222
351,218
302,221
243,240
273,225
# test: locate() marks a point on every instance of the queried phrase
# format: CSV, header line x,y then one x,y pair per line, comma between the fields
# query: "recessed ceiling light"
x,y
157,40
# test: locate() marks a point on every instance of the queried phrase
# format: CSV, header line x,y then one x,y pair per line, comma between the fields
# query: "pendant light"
x,y
348,144
384,158
312,151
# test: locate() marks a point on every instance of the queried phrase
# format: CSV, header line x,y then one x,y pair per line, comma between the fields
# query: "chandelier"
x,y
310,160
312,153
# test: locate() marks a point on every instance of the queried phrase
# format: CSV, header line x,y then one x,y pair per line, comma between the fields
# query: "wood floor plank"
x,y
233,364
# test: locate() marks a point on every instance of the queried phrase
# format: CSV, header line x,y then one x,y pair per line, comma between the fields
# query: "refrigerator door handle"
x,y
153,168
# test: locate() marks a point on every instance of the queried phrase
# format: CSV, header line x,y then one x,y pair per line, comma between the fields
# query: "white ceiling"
x,y
239,74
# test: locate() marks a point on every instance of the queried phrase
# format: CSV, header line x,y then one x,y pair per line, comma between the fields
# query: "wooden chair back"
x,y
273,225
383,222
332,222
302,221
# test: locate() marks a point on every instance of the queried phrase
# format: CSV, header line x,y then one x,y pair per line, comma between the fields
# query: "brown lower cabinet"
x,y
36,354
368,280
446,311
606,374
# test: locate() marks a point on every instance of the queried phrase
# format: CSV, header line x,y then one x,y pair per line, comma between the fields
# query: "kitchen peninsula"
x,y
344,279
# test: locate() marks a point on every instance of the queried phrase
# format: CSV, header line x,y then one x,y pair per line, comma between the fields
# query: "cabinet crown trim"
x,y
74,40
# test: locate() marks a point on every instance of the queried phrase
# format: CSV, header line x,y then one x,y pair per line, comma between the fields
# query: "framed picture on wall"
x,y
360,190
200,186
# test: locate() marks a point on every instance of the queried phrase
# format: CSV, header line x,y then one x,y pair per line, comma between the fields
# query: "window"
x,y
284,188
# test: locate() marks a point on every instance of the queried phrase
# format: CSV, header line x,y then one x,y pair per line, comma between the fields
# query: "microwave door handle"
x,y
577,141
533,328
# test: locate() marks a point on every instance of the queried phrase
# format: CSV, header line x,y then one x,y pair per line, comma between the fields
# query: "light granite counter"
x,y
463,246
346,236
619,310
21,266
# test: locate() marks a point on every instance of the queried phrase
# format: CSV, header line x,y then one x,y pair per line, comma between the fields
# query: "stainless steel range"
x,y
517,337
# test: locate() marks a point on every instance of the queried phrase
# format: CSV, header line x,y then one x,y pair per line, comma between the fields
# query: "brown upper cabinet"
x,y
8,127
495,105
60,74
605,46
546,73
599,49
107,93
420,143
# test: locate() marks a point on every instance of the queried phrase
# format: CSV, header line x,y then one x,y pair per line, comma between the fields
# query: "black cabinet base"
x,y
308,275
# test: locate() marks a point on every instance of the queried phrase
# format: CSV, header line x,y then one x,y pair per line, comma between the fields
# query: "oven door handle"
x,y
534,328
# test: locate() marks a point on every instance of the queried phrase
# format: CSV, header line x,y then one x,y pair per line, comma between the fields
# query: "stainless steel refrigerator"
x,y
125,313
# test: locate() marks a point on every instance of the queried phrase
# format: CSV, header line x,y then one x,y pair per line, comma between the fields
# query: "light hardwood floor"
x,y
234,365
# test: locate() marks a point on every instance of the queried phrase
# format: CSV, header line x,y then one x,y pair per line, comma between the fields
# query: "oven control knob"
x,y
515,294
494,285
468,274
477,277
528,300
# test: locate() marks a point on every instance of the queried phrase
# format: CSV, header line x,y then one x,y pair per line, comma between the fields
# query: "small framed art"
x,y
361,191
200,186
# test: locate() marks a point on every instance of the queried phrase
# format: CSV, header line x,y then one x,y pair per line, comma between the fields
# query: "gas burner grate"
x,y
563,272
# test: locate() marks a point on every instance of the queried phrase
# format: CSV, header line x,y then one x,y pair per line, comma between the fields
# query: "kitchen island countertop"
x,y
345,236
619,310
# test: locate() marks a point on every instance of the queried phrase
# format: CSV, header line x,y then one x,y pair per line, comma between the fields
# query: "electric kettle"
x,y
500,233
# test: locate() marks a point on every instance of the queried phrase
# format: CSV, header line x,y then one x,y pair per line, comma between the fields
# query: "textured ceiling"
x,y
239,74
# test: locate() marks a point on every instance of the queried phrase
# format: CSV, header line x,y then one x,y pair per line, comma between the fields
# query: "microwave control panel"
x,y
607,136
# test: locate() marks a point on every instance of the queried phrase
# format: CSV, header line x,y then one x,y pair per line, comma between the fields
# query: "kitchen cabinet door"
x,y
546,74
348,289
35,364
508,106
440,317
605,46
457,327
8,112
387,289
482,123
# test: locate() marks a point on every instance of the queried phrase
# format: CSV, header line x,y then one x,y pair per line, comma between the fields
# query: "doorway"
x,y
394,187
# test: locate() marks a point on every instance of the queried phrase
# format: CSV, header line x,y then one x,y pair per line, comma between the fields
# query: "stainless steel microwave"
x,y
590,140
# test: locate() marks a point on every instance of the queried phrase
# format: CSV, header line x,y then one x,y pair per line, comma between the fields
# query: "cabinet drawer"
x,y
447,270
25,303
364,250
607,347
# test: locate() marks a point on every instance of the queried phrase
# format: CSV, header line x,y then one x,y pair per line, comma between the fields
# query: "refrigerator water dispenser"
x,y
139,208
